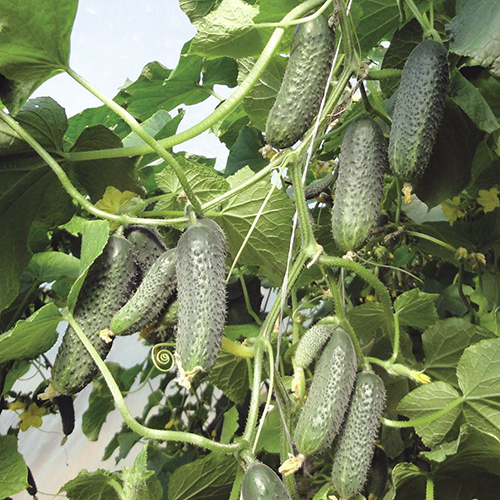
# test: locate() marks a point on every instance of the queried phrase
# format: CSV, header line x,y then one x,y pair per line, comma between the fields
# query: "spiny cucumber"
x,y
304,82
362,162
110,282
320,186
311,344
201,295
418,110
149,299
356,444
326,405
260,482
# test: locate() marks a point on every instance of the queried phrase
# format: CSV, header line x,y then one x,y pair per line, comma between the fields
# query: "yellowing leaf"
x,y
451,209
488,199
116,202
32,417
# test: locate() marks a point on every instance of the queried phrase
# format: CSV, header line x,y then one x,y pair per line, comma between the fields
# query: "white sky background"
x,y
112,40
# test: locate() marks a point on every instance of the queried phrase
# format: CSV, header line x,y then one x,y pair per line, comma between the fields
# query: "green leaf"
x,y
51,266
96,485
96,175
13,470
478,373
416,308
196,10
450,164
366,319
228,31
442,354
229,127
245,152
428,399
267,246
139,483
220,71
259,101
409,481
230,375
270,437
474,32
94,238
31,337
208,478
35,41
234,332
101,402
230,425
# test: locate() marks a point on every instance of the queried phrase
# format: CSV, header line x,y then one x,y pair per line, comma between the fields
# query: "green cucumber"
x,y
362,162
418,110
110,282
319,186
355,448
150,298
304,82
326,405
66,412
201,293
311,344
260,482
164,327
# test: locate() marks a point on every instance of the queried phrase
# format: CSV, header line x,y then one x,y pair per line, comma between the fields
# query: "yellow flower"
x,y
451,209
32,417
488,199
17,405
370,298
116,202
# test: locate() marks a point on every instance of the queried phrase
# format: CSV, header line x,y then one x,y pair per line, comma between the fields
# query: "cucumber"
x,y
326,405
164,327
304,82
32,488
148,245
67,413
201,293
320,186
150,298
418,110
311,344
260,482
355,448
110,282
362,162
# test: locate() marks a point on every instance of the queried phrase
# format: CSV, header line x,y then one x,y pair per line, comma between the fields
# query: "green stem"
x,y
247,298
399,200
295,323
148,139
371,109
423,21
134,425
221,111
460,284
383,74
429,488
296,21
395,347
235,491
432,239
424,420
117,487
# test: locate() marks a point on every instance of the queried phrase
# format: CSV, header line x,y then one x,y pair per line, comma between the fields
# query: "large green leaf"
x,y
409,481
416,308
474,32
51,266
245,152
35,42
13,470
96,485
230,375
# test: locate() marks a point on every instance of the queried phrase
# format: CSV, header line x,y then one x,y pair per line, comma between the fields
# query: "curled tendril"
x,y
162,358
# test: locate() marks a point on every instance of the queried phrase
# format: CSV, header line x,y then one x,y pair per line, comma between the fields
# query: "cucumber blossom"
x,y
201,293
304,82
418,110
260,482
355,448
362,162
326,405
149,299
110,282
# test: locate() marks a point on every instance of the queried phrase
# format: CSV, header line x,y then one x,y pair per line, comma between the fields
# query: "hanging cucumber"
x,y
66,412
201,293
328,397
418,110
260,482
362,162
356,444
150,298
301,91
110,282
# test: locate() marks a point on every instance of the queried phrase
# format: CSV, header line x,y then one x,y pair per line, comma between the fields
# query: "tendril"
x,y
162,358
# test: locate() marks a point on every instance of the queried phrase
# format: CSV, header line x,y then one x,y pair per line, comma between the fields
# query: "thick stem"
x,y
239,350
383,74
134,425
429,488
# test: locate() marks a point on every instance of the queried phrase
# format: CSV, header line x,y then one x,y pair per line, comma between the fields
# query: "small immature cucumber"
x,y
418,110
67,413
32,488
201,293
356,445
301,91
260,482
110,282
149,299
329,394
311,344
362,162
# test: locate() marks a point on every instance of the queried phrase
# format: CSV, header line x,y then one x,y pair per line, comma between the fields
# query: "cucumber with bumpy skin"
x,y
301,91
149,299
362,162
320,186
201,293
356,444
326,405
418,110
110,282
311,344
260,482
